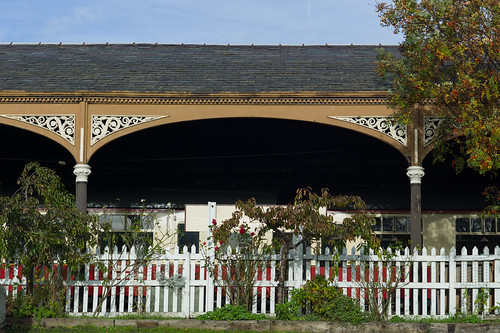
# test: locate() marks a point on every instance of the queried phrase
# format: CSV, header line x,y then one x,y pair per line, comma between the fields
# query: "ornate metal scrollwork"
x,y
62,125
430,129
381,124
102,126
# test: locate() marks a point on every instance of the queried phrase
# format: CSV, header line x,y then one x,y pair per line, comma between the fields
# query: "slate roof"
x,y
189,68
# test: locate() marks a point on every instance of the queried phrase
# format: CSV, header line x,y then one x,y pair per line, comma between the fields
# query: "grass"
x,y
134,316
458,318
93,329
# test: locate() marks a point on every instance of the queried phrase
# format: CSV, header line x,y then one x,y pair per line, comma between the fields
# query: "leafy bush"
x,y
231,312
291,310
319,300
26,306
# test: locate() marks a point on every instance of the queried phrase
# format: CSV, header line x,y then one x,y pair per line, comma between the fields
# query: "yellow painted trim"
x,y
282,98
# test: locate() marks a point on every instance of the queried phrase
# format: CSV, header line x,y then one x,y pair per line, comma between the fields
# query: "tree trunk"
x,y
28,271
283,267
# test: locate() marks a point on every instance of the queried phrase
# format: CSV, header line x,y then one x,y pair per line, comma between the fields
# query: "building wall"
x,y
439,231
439,228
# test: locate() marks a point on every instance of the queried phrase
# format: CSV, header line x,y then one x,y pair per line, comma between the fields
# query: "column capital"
x,y
415,173
82,172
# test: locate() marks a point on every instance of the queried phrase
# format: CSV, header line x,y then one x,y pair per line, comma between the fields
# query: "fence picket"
x,y
496,276
272,295
415,290
452,280
190,276
424,277
68,290
397,294
343,257
85,288
486,276
95,288
475,277
363,277
442,280
463,279
186,275
407,280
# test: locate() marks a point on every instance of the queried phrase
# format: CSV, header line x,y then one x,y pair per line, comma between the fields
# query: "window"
x,y
392,229
477,232
124,222
119,239
462,224
126,229
377,225
401,224
388,224
476,225
489,224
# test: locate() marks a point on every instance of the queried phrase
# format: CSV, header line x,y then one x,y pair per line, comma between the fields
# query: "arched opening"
x,y
228,159
21,146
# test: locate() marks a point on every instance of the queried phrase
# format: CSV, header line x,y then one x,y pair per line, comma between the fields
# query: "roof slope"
x,y
189,68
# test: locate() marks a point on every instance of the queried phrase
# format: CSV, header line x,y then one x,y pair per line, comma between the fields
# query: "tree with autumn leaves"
x,y
449,61
304,219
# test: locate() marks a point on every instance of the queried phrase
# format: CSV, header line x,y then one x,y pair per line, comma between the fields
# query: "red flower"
x,y
214,222
216,248
252,234
242,231
204,243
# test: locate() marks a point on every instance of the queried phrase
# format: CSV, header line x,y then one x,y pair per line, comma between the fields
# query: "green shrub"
x,y
231,312
319,300
291,310
25,306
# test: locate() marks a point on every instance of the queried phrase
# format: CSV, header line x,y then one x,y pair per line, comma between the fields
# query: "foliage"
x,y
176,281
231,312
26,306
41,230
492,197
291,310
306,220
319,299
460,317
450,57
234,258
48,300
481,301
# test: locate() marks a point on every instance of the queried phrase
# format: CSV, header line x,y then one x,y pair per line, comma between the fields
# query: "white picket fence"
x,y
177,284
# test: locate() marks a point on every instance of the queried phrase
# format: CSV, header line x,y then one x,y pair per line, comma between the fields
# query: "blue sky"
x,y
289,22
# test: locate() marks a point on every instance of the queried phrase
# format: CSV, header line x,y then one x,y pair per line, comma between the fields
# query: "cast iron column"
x,y
82,172
416,173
